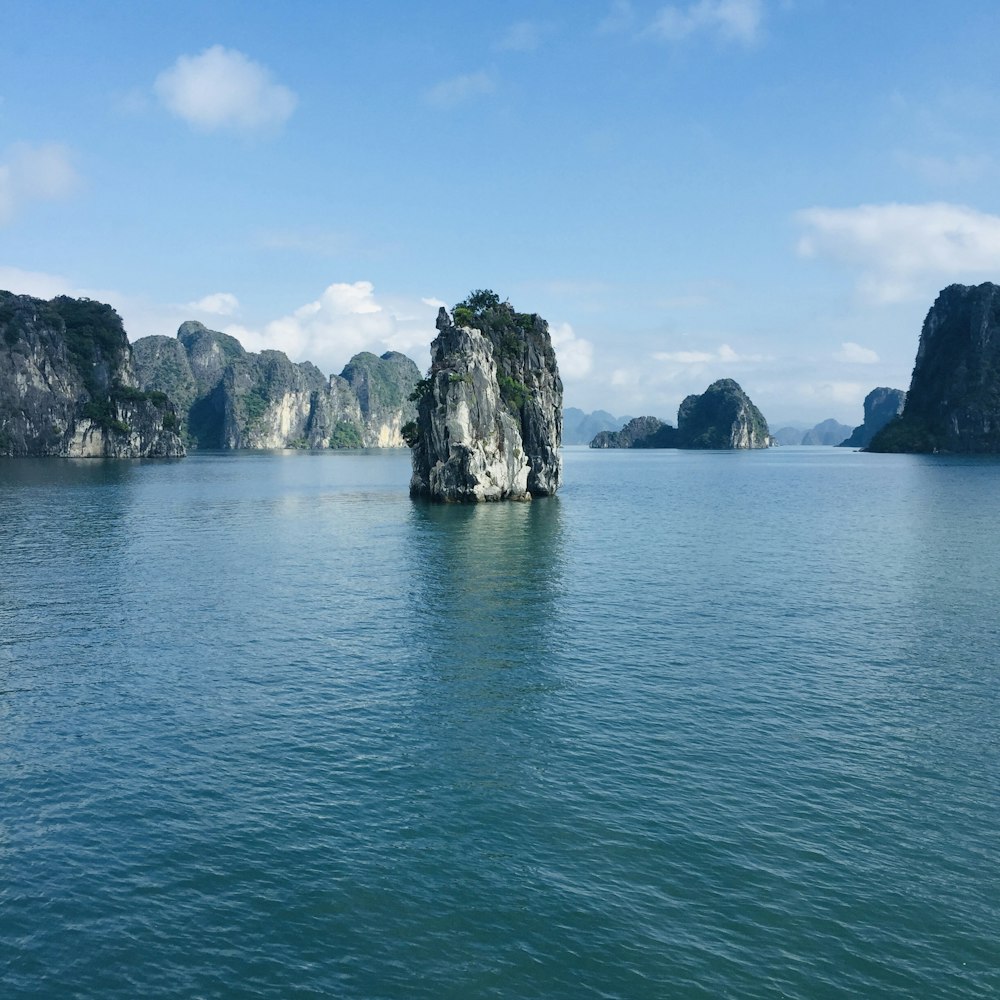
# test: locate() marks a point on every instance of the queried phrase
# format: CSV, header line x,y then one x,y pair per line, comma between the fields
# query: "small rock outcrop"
x,y
881,405
68,386
639,432
231,398
489,413
722,417
953,404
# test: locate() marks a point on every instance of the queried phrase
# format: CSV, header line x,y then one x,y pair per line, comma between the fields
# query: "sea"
x,y
704,724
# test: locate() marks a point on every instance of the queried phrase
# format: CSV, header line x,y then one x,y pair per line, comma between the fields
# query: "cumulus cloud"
x,y
839,393
223,88
216,304
346,318
733,20
904,251
855,354
574,355
30,173
460,89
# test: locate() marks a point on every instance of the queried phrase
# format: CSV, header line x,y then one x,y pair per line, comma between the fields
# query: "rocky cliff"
x,y
231,398
954,399
68,386
489,414
582,428
881,406
723,417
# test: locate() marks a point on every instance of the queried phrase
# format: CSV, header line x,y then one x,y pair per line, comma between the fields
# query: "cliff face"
x,y
489,416
68,386
721,417
881,406
954,398
231,398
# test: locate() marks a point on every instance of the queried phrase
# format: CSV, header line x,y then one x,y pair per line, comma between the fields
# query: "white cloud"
x,y
723,353
574,355
36,283
34,173
522,36
460,89
223,88
840,393
216,304
734,20
855,354
904,251
435,303
345,319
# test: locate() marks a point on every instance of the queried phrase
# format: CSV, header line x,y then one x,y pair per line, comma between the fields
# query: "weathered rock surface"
x,y
953,404
881,406
723,417
231,398
489,416
68,386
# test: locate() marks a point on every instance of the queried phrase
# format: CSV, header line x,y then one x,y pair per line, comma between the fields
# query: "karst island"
x,y
489,412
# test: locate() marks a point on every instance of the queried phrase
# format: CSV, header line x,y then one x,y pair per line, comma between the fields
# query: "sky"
x,y
767,190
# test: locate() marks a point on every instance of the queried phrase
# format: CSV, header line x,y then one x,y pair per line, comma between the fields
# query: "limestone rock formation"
x,y
68,386
827,432
953,404
723,416
489,415
231,398
640,432
881,406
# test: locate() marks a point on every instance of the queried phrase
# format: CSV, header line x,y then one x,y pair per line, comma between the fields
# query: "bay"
x,y
704,724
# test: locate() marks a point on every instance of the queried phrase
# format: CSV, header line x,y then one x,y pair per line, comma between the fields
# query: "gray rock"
x,y
881,406
489,415
68,386
723,416
231,398
953,404
827,432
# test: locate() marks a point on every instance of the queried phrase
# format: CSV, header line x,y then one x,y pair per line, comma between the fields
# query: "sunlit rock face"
x,y
231,398
68,386
953,404
489,417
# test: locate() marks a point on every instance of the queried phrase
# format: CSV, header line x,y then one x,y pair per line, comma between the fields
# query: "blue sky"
x,y
768,190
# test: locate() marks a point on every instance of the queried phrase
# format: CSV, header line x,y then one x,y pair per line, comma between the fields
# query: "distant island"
x,y
722,417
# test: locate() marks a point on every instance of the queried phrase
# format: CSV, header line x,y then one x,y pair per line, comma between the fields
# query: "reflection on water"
x,y
488,576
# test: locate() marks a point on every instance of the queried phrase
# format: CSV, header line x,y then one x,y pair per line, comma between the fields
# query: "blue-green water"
x,y
703,725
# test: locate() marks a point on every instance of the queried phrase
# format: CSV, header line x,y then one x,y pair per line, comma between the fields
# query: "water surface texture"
x,y
702,725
